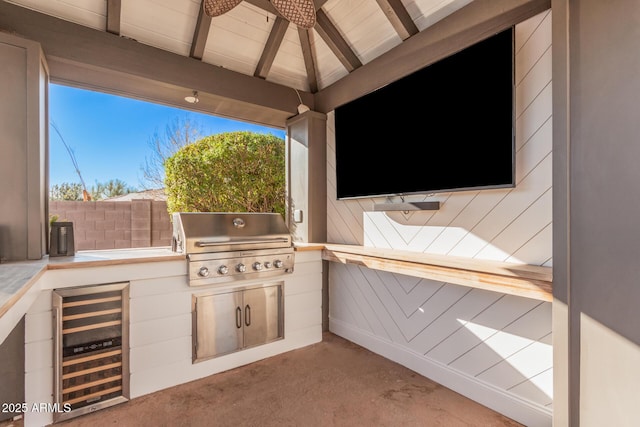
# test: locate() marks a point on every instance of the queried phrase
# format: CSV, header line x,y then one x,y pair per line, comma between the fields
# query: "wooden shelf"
x,y
523,280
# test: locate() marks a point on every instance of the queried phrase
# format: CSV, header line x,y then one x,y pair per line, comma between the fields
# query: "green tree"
x,y
66,191
228,172
111,188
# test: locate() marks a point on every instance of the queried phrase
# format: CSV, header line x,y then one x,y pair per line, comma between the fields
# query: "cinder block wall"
x,y
161,229
116,225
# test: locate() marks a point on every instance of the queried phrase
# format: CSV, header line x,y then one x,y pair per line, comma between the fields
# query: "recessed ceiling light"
x,y
192,99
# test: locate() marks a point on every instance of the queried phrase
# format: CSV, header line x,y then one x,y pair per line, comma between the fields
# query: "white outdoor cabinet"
x,y
24,123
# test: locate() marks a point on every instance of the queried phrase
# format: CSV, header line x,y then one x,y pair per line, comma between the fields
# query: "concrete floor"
x,y
332,383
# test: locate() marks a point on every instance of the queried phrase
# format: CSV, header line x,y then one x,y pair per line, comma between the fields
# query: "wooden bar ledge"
x,y
529,281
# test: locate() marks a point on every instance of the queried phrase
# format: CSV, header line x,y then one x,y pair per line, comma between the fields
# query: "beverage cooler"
x,y
91,346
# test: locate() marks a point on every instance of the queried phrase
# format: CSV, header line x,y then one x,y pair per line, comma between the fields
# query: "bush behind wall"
x,y
228,172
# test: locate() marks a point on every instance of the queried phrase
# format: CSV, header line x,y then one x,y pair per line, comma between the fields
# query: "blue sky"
x,y
109,135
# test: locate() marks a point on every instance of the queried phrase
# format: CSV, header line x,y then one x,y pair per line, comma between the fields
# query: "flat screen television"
x,y
447,127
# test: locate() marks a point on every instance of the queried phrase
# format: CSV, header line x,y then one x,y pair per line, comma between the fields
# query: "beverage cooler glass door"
x,y
91,351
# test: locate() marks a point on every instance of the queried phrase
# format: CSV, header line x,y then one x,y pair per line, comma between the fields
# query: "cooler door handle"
x,y
238,317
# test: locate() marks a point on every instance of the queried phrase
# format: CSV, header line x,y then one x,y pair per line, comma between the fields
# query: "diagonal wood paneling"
x,y
505,310
490,338
469,223
470,305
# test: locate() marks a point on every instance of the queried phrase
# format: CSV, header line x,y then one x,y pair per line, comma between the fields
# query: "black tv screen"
x,y
447,127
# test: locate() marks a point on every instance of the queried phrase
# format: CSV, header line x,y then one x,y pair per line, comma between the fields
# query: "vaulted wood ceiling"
x,y
246,62
254,39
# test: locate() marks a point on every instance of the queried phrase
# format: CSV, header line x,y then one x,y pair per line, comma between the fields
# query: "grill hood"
x,y
207,232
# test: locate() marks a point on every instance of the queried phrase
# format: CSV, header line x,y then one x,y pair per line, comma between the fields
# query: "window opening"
x,y
107,155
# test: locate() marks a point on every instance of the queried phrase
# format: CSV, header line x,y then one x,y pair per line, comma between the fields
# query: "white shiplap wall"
x,y
492,347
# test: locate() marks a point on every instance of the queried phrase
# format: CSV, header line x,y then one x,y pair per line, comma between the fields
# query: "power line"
x,y
73,160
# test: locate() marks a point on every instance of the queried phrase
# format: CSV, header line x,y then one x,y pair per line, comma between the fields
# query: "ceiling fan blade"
x,y
218,7
300,12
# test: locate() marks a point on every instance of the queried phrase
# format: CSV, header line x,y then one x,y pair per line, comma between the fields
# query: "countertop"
x,y
16,278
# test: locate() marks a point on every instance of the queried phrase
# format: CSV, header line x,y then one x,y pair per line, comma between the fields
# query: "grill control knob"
x,y
241,268
257,266
223,269
203,272
267,264
278,264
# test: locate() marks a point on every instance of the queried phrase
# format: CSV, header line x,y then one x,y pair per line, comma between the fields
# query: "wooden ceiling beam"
x,y
271,48
84,57
200,34
309,62
114,10
319,3
399,18
336,42
275,39
475,22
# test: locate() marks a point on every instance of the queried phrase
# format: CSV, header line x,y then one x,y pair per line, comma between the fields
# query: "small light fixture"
x,y
302,108
192,99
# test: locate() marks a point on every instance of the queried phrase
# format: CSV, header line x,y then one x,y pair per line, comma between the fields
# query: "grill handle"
x,y
208,243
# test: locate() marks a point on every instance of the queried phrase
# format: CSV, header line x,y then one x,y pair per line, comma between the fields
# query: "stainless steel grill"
x,y
225,247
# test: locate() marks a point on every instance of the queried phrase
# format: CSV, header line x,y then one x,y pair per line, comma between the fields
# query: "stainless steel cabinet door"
x,y
261,315
219,324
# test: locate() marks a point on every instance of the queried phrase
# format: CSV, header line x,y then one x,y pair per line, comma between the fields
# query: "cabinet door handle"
x,y
238,317
247,315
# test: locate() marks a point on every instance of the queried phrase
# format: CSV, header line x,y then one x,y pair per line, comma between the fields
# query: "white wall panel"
x,y
534,47
536,388
478,329
39,354
348,17
288,64
533,82
37,327
529,362
167,25
526,29
329,68
370,305
90,13
534,116
158,330
427,12
532,326
473,302
237,38
469,338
